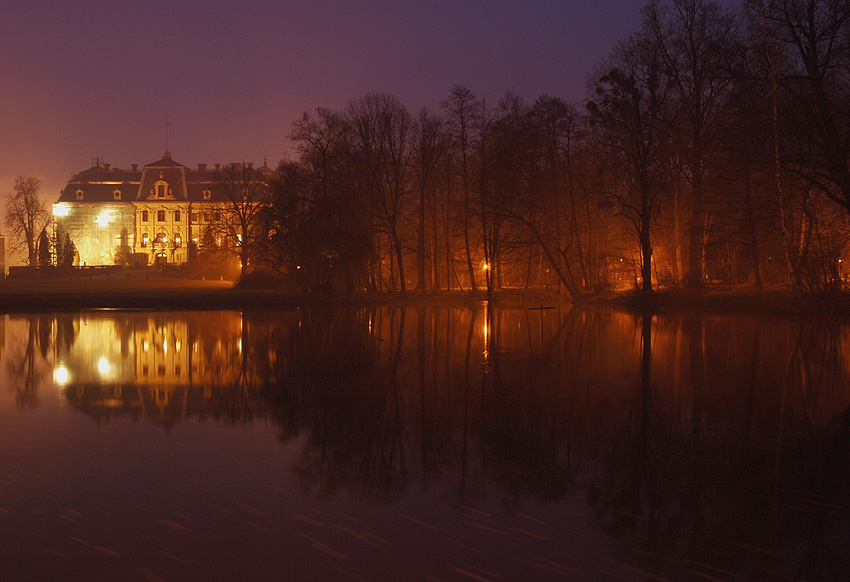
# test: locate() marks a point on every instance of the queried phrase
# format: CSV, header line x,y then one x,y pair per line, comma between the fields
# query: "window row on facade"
x,y
177,216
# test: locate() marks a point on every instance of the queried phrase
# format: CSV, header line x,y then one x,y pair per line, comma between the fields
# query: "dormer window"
x,y
207,194
161,190
79,194
116,194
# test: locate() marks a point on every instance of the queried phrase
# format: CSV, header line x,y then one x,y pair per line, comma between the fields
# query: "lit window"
x,y
176,216
145,239
160,215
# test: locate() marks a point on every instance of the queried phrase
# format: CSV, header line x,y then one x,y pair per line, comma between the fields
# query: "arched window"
x,y
160,215
161,189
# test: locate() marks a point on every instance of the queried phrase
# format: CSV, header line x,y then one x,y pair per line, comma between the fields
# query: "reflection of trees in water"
x,y
341,382
692,436
677,429
722,459
26,363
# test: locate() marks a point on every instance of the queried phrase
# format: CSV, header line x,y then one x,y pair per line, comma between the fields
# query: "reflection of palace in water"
x,y
163,367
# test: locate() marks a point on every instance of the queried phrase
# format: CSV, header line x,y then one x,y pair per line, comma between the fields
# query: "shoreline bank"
x,y
62,295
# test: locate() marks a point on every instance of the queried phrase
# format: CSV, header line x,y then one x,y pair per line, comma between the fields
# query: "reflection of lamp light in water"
x,y
103,366
60,375
486,339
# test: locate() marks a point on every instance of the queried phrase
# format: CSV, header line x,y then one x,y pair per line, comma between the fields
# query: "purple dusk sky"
x,y
87,78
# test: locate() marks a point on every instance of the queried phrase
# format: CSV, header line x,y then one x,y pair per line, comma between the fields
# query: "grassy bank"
x,y
779,301
63,294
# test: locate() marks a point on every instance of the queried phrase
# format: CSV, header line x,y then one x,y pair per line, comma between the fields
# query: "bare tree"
x,y
696,41
460,108
380,139
427,153
26,216
627,106
244,194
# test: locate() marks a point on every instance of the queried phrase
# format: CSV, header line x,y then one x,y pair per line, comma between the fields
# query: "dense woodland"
x,y
712,149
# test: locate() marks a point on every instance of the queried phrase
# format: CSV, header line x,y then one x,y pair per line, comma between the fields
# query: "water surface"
x,y
436,443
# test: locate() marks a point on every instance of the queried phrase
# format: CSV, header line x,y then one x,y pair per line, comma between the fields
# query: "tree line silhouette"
x,y
712,149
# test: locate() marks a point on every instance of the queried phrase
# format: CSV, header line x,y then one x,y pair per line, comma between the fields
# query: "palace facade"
x,y
138,216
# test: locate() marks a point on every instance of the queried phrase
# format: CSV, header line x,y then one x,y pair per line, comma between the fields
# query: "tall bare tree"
x,y
428,151
380,139
461,109
627,105
244,193
696,41
26,216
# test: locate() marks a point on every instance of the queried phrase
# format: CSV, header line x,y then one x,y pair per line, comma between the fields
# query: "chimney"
x,y
106,167
135,167
202,167
250,165
234,166
217,167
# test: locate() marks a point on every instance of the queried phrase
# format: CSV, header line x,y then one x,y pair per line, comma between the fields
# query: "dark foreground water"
x,y
423,444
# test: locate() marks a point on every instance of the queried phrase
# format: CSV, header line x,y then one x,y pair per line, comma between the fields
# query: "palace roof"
x,y
102,183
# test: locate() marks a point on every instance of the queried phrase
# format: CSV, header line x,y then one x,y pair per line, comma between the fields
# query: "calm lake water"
x,y
437,443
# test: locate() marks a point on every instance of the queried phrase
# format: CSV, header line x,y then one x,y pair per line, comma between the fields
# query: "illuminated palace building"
x,y
138,217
